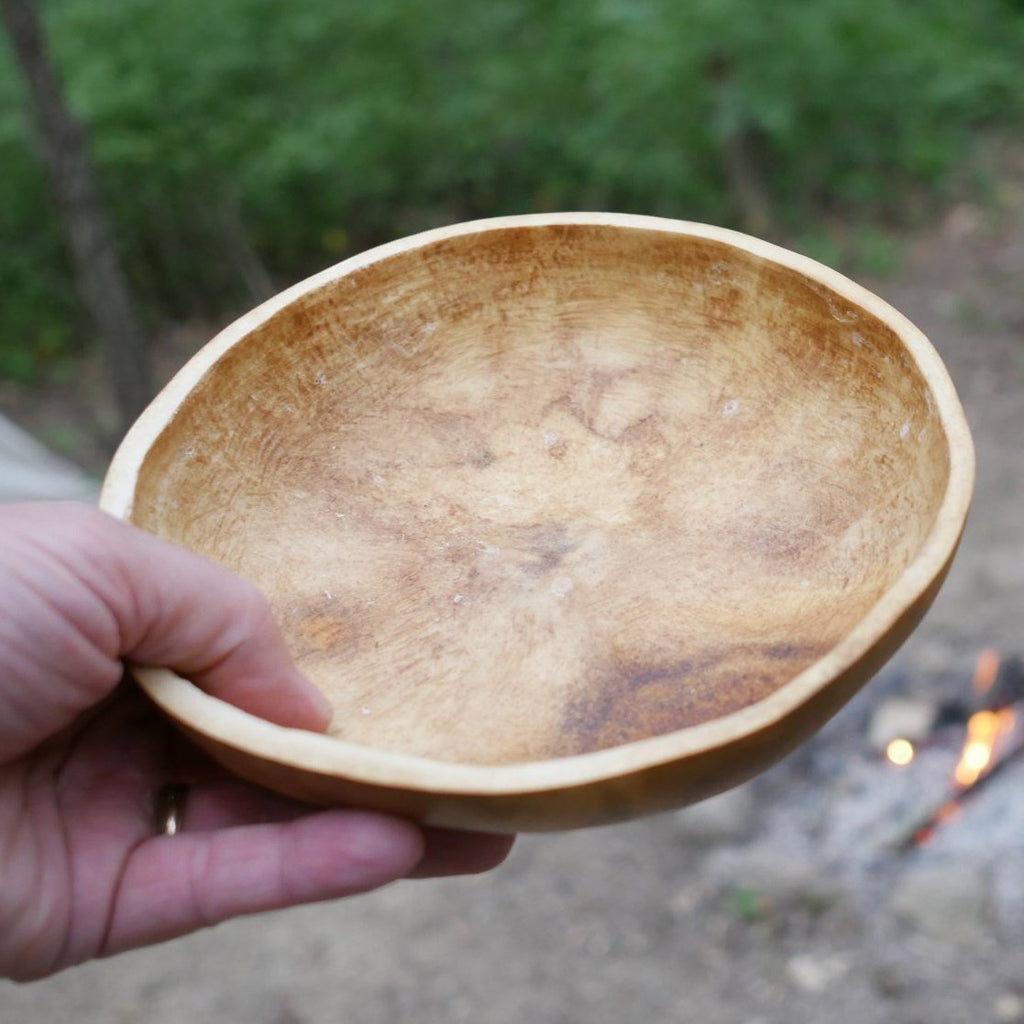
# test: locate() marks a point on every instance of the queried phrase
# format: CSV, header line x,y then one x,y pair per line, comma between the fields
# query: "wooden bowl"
x,y
573,518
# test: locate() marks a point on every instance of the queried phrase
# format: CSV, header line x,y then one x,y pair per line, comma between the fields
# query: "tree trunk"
x,y
241,253
739,163
64,148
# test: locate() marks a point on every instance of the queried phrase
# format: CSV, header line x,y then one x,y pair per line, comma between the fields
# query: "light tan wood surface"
x,y
572,517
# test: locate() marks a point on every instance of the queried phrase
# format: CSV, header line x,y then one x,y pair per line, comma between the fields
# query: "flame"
x,y
900,752
986,670
984,731
987,733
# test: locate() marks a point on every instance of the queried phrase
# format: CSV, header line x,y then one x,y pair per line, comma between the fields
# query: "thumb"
x,y
93,591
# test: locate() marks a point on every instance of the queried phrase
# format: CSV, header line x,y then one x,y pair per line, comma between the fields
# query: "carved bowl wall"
x,y
571,517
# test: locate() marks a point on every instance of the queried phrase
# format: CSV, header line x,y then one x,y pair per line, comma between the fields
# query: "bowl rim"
x,y
325,755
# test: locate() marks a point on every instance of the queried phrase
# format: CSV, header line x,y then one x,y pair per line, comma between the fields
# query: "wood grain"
x,y
539,488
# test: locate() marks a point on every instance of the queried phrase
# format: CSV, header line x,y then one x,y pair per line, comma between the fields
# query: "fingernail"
x,y
324,708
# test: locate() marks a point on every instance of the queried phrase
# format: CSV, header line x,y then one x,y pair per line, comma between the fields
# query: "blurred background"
x,y
166,165
222,152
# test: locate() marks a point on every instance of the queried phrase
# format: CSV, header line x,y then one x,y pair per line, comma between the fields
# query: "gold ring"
x,y
170,808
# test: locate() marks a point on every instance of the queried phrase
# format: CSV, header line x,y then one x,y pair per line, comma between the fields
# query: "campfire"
x,y
912,801
990,722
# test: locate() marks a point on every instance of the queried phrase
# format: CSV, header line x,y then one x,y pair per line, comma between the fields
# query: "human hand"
x,y
83,871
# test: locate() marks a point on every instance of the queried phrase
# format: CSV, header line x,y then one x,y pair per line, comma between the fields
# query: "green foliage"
x,y
37,306
319,128
746,904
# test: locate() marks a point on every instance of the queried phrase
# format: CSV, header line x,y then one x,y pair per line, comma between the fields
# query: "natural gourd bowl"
x,y
572,517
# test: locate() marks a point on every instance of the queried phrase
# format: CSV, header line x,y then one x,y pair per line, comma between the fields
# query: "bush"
x,y
248,133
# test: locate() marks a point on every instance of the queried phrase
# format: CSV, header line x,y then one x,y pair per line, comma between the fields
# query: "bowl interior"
x,y
536,491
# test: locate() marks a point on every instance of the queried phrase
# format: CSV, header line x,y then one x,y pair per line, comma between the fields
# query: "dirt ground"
x,y
627,923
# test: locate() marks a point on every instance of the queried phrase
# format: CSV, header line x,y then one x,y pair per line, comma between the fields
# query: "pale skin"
x,y
84,871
